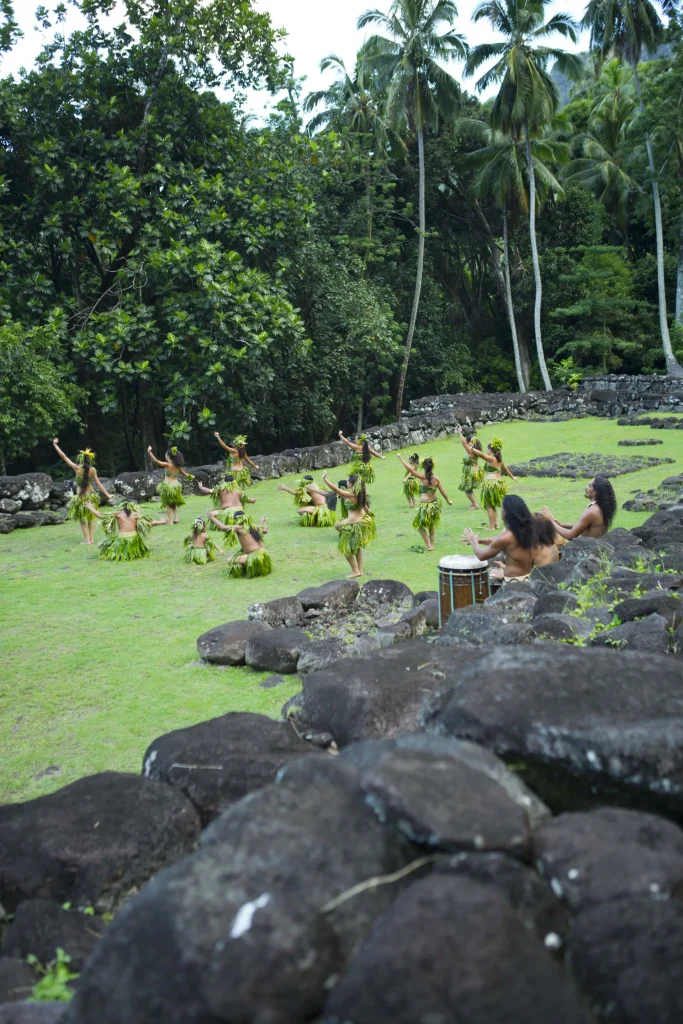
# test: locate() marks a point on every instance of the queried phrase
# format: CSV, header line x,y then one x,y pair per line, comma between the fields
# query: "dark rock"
x,y
677,641
624,581
471,629
226,645
283,611
425,595
607,854
276,650
388,635
92,842
16,979
31,489
649,634
7,523
577,550
336,594
31,1013
663,603
318,654
514,633
664,538
625,957
554,602
621,538
431,610
216,763
639,442
549,577
557,626
380,592
658,522
416,619
41,927
62,490
608,726
138,485
25,520
404,971
8,506
515,602
272,681
672,558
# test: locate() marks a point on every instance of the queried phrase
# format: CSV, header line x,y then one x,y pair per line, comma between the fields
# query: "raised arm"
x,y
378,455
350,444
164,465
100,485
63,457
494,548
247,459
440,486
468,447
348,495
233,451
409,467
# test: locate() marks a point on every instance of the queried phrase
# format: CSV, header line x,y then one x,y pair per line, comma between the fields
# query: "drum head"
x,y
461,563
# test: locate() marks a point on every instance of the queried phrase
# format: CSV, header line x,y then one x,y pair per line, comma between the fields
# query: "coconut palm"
x,y
528,97
348,103
419,93
623,28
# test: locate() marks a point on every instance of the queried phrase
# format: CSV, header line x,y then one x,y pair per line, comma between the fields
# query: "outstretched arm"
x,y
494,548
349,495
190,476
221,526
250,501
252,464
159,522
63,457
570,532
350,444
283,488
233,451
164,465
440,486
509,473
378,455
91,508
100,485
202,489
409,467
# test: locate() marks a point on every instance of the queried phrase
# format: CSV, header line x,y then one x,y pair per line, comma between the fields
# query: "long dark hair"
x,y
85,479
331,501
362,500
414,459
178,459
366,456
545,531
519,520
428,466
241,452
476,443
605,499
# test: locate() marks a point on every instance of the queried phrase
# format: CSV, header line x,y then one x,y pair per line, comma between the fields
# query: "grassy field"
x,y
99,658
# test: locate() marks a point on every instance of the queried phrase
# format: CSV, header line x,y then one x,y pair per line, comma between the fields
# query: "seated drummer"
x,y
597,518
516,543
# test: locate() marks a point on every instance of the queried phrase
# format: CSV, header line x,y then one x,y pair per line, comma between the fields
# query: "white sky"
x,y
315,28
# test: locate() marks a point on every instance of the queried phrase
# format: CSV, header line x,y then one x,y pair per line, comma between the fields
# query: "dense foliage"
x,y
171,267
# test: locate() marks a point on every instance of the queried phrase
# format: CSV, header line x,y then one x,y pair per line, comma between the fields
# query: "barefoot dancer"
x,y
493,487
170,490
411,487
358,529
596,520
199,548
429,514
253,560
516,543
360,465
86,474
472,473
125,529
238,460
315,507
227,500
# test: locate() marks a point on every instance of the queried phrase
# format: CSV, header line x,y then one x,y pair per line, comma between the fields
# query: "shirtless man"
x,y
516,543
229,498
253,560
125,530
597,518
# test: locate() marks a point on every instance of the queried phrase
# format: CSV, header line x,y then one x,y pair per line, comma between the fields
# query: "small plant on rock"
x,y
53,986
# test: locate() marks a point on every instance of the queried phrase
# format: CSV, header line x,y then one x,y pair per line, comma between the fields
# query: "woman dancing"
x,y
170,490
427,519
125,528
472,473
86,475
493,487
359,528
360,465
253,560
199,548
516,543
227,500
315,507
411,487
238,460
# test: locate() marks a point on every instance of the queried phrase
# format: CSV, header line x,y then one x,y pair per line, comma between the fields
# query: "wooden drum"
x,y
463,581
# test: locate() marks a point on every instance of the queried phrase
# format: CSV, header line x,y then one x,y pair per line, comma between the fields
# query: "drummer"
x,y
516,543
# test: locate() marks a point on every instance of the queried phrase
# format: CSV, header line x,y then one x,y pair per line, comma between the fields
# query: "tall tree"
x,y
419,94
624,28
528,97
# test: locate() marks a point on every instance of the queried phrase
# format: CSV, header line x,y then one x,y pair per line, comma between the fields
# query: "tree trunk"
x,y
510,307
673,367
418,275
534,258
679,275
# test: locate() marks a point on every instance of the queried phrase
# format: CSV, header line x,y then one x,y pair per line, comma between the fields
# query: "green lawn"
x,y
98,658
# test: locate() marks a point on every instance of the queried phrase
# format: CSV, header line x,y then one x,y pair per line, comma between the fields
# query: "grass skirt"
x,y
258,564
363,470
199,556
171,494
472,475
243,478
411,487
77,509
492,491
428,515
123,547
227,517
355,536
322,516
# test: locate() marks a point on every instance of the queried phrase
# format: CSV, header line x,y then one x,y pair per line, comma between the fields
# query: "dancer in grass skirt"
x,y
411,487
238,460
359,528
199,548
472,473
125,529
227,500
361,466
429,512
493,486
170,490
86,475
315,507
253,559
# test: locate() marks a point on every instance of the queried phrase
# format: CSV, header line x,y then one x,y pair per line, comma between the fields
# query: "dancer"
x,y
493,487
597,518
86,474
472,473
546,549
358,528
227,500
170,490
360,465
516,543
321,507
237,457
427,519
411,487
253,560
125,528
199,548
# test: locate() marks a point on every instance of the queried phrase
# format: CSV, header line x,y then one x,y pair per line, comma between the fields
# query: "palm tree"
x,y
419,93
528,96
623,28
